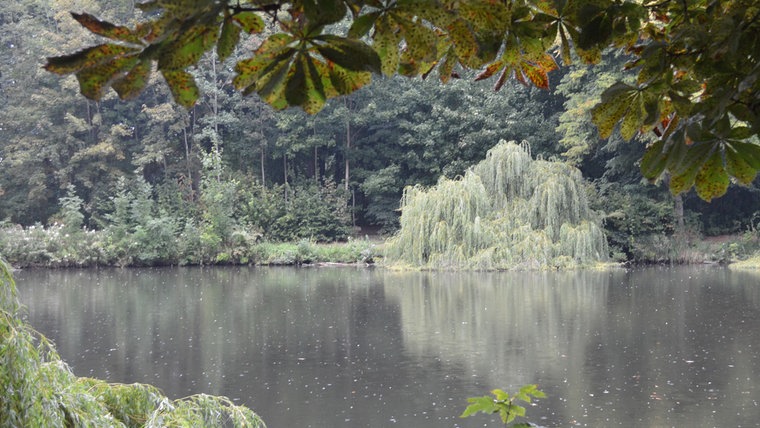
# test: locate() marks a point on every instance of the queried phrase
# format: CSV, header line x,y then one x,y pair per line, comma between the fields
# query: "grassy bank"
x,y
692,249
55,247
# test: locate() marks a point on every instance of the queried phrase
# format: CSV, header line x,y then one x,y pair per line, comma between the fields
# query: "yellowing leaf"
x,y
94,81
182,87
607,114
187,50
463,40
134,82
490,70
536,74
634,117
420,41
684,175
272,51
345,81
738,167
250,21
386,44
87,58
712,180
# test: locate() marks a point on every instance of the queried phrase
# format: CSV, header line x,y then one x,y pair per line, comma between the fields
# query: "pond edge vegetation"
x,y
39,389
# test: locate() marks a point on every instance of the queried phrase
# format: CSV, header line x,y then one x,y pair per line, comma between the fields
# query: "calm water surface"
x,y
325,347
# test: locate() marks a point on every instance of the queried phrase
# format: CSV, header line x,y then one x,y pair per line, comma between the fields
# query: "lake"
x,y
362,347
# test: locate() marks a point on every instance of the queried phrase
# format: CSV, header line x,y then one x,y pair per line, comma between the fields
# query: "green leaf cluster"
x,y
505,405
696,62
697,88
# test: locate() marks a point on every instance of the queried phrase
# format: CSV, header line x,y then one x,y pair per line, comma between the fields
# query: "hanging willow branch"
x,y
507,212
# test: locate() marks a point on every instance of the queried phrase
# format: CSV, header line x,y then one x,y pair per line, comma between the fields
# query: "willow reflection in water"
x,y
371,348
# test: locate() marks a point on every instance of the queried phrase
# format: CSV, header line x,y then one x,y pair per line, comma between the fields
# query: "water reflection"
x,y
372,348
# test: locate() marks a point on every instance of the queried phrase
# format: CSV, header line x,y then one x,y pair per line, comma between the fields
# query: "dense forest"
x,y
231,171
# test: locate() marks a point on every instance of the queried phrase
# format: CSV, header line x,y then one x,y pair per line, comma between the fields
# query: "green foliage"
x,y
631,214
139,232
218,198
507,212
700,110
500,402
71,215
704,113
313,212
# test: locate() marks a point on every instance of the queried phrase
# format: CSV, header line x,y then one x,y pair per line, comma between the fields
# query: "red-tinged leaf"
x,y
106,29
490,70
228,39
182,86
87,58
324,72
536,75
547,62
188,49
251,22
95,80
589,56
520,78
134,82
502,78
738,167
712,180
567,59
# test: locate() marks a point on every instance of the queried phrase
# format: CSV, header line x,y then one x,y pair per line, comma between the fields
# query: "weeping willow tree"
x,y
507,212
37,389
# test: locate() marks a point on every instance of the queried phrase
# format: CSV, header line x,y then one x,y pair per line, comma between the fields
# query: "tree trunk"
x,y
347,175
678,214
285,175
316,165
263,177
